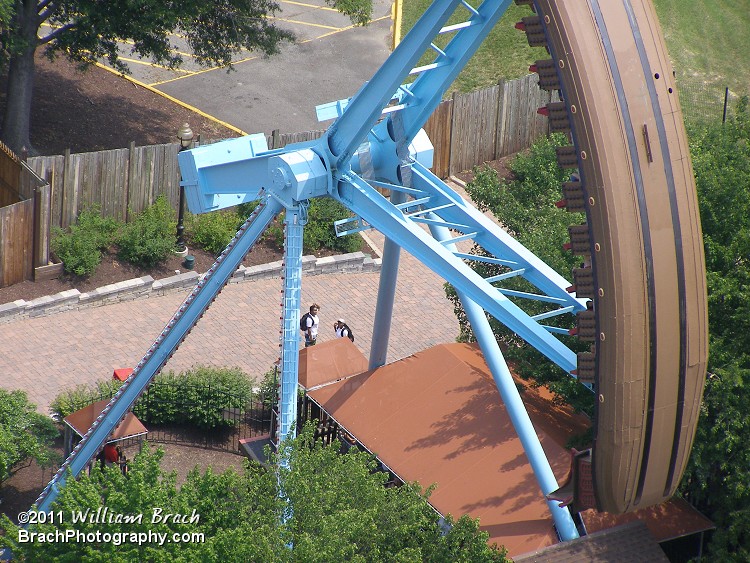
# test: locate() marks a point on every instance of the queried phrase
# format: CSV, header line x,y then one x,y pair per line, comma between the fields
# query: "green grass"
x,y
708,42
505,54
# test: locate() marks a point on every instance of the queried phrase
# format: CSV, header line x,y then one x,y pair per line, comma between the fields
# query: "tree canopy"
x,y
319,505
86,31
717,480
24,433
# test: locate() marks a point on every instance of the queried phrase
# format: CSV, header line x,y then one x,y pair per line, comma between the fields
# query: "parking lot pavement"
x,y
330,60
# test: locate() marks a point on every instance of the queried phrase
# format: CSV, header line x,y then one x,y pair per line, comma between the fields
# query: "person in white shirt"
x,y
342,330
309,325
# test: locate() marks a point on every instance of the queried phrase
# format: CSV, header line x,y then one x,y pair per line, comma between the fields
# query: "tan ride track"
x,y
644,268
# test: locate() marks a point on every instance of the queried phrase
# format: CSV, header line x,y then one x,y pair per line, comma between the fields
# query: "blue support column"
x,y
513,403
293,231
161,350
381,330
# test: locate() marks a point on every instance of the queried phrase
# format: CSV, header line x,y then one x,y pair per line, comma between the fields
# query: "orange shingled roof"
x,y
81,420
437,417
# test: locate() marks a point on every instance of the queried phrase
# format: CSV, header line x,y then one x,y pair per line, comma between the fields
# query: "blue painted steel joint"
x,y
210,177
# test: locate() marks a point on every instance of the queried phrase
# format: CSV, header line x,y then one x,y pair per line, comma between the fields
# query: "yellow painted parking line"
x,y
396,14
340,29
181,53
203,71
175,100
304,23
313,6
155,65
247,59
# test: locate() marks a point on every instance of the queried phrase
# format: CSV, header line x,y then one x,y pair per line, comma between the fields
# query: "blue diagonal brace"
x,y
492,238
430,86
514,404
165,345
358,195
348,131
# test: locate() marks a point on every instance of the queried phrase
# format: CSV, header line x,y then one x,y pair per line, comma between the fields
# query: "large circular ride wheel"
x,y
643,265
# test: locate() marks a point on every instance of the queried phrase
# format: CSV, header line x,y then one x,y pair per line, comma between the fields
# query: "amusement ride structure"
x,y
639,297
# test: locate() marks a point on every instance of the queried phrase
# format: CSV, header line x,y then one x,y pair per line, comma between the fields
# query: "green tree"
x,y
717,480
24,433
525,205
334,508
88,30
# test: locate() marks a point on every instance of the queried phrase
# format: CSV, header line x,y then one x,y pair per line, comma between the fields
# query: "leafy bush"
x,y
150,238
81,396
319,231
268,391
163,403
80,247
24,433
198,396
213,231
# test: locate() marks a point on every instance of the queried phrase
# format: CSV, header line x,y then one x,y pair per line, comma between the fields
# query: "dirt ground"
x,y
112,270
98,110
23,488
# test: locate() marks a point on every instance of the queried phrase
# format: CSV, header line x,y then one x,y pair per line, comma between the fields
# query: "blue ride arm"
x,y
165,345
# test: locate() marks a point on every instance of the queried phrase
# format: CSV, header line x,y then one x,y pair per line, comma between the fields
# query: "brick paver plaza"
x,y
46,355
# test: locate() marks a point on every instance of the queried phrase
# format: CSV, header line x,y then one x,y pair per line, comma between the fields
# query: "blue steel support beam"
x,y
428,89
165,345
381,329
492,238
293,233
423,96
359,196
513,403
348,131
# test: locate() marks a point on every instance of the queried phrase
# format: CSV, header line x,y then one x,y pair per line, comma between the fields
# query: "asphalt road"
x,y
330,60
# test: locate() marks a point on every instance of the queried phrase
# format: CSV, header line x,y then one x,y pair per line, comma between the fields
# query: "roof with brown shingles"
x,y
630,543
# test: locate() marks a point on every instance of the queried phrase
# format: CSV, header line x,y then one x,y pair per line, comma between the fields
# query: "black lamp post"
x,y
185,135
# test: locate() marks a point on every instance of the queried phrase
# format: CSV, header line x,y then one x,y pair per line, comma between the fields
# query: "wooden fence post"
x,y
128,180
64,213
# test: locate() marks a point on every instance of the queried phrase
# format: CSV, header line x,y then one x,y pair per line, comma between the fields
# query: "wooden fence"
x,y
24,220
487,124
467,130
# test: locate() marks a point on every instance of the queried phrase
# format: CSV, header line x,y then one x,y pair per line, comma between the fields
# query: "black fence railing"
x,y
706,102
201,415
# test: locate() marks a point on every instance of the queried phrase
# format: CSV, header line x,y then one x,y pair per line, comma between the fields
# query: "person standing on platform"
x,y
309,324
342,330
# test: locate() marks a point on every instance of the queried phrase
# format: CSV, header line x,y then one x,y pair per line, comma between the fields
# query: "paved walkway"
x,y
46,355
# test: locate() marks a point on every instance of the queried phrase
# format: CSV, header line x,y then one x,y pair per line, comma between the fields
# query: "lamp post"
x,y
185,135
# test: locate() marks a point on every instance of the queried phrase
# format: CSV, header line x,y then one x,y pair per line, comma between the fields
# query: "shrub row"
x,y
198,396
146,241
150,238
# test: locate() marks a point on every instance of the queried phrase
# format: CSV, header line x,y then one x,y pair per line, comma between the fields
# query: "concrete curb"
x,y
145,287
